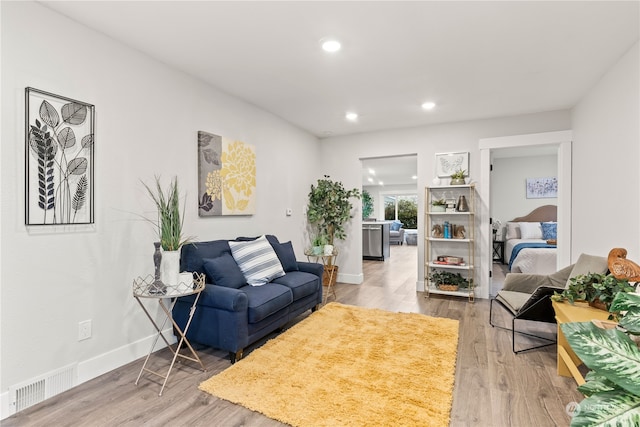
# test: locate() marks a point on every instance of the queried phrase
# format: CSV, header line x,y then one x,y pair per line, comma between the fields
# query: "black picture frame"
x,y
59,159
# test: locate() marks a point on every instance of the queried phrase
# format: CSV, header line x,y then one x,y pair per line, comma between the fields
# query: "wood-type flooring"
x,y
493,387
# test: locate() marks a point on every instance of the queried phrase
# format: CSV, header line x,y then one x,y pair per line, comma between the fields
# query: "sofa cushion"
x,y
266,300
193,254
301,284
286,255
257,260
395,225
223,271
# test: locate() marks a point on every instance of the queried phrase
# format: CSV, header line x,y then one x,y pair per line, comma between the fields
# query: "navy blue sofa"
x,y
231,317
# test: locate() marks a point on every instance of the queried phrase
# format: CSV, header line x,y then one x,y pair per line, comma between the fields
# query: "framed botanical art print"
x,y
449,163
59,159
226,176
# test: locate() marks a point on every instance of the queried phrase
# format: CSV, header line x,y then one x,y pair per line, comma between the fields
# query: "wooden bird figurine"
x,y
621,267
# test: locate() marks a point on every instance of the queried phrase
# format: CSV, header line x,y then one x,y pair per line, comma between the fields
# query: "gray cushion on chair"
x,y
588,264
512,300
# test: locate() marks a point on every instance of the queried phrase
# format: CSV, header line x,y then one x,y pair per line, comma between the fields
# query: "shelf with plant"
x,y
448,281
598,290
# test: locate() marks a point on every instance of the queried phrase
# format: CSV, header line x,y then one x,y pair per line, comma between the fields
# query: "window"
x,y
404,208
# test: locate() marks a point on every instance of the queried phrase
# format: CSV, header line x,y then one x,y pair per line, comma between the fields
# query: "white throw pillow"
x,y
513,231
530,230
257,261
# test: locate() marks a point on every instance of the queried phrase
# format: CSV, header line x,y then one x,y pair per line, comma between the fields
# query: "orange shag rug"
x,y
349,366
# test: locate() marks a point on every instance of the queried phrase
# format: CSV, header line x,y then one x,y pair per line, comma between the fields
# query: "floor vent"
x,y
43,387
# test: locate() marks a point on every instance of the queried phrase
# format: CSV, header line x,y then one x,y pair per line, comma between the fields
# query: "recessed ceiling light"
x,y
351,116
372,172
370,179
428,105
330,45
380,182
414,177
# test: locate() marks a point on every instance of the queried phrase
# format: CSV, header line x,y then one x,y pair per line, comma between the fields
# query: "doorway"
x,y
390,184
560,142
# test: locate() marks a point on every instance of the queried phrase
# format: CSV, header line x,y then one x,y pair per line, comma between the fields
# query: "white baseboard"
x,y
99,365
354,279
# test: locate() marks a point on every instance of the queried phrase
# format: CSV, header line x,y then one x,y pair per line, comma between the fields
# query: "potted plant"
x,y
447,281
457,178
169,227
598,290
438,205
328,210
612,389
367,204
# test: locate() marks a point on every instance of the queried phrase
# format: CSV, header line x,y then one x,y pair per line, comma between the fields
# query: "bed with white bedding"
x,y
530,242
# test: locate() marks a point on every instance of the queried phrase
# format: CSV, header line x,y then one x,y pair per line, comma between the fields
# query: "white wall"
x,y
147,118
508,180
606,155
425,141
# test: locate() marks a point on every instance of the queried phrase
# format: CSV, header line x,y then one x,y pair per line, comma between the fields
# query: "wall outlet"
x,y
289,212
84,330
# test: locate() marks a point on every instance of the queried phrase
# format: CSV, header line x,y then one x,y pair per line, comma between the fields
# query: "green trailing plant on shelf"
x,y
330,207
367,204
441,277
438,202
170,220
612,387
596,289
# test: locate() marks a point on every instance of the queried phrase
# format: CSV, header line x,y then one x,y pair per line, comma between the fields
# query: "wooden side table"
x,y
329,273
568,362
145,288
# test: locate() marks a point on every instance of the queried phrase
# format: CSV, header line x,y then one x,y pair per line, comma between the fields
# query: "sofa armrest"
x,y
222,298
311,267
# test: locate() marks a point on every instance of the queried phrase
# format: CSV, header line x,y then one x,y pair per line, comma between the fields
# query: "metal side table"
x,y
329,276
145,288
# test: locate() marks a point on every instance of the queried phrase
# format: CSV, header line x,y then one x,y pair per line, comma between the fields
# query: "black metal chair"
x,y
527,297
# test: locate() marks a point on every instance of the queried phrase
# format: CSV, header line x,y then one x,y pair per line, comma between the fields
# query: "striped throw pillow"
x,y
257,261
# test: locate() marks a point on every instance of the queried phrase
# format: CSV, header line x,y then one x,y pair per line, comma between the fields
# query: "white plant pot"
x,y
170,267
328,249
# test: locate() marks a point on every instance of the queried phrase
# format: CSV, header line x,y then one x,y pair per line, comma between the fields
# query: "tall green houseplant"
x,y
170,219
330,208
367,204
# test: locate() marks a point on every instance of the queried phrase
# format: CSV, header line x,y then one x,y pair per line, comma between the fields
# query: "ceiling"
x,y
474,59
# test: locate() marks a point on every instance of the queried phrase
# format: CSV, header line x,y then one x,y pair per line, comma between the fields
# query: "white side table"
x,y
144,288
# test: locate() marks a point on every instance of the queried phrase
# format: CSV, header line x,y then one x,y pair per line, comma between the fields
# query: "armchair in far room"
x,y
396,233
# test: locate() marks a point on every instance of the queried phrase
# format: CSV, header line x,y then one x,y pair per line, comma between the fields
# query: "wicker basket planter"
x,y
444,287
327,275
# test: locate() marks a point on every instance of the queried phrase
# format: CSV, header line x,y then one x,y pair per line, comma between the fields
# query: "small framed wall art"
x,y
449,163
542,188
59,159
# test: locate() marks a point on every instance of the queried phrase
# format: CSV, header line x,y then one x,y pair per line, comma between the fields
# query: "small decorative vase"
x,y
170,267
462,204
457,181
158,287
437,208
435,181
328,249
317,250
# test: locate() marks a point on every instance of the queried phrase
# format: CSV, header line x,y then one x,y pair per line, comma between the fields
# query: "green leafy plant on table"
x,y
170,220
438,202
596,289
330,207
612,389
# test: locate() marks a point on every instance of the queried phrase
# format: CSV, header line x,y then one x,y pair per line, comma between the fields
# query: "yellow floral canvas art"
x,y
226,176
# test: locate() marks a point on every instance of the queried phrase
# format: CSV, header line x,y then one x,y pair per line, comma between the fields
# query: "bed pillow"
x,y
257,261
513,231
530,230
395,226
549,230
